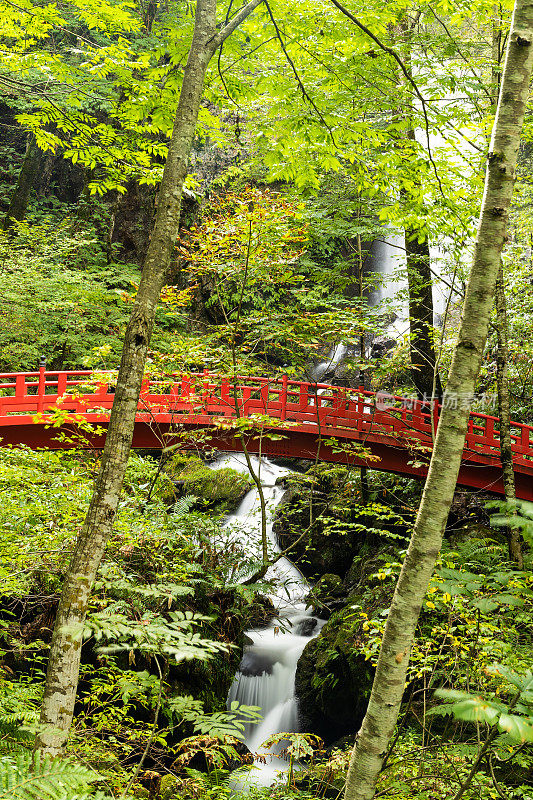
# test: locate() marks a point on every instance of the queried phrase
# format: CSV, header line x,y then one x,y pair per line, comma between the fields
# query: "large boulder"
x,y
335,672
220,490
334,680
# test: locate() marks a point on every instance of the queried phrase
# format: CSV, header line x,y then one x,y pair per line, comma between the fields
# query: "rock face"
x,y
333,680
335,673
326,504
320,502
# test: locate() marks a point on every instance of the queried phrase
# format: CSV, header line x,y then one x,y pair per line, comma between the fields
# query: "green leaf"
x,y
28,777
520,729
485,604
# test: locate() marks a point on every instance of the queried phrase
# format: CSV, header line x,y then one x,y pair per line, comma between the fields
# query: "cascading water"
x,y
268,667
328,367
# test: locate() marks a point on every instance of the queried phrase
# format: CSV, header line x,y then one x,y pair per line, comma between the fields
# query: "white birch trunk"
x,y
389,683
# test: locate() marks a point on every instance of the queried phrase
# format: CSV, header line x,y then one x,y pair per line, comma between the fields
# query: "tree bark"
x,y
422,348
29,176
504,412
63,665
391,670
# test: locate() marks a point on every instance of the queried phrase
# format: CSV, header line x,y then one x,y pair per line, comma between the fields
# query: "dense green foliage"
x,y
303,164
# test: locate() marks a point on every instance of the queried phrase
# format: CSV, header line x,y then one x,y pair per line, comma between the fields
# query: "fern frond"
x,y
25,776
183,505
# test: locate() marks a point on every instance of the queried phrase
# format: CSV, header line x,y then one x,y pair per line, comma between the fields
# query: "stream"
x,y
267,671
268,667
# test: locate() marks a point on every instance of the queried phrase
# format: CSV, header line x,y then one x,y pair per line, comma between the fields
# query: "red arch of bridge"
x,y
330,422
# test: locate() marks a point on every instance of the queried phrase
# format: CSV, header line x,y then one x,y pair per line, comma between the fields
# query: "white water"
x,y
268,668
336,355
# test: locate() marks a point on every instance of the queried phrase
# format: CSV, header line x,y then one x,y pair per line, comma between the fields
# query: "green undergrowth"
x,y
165,631
166,622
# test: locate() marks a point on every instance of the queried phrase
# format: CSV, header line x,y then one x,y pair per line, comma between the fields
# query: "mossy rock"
x,y
327,505
334,680
220,490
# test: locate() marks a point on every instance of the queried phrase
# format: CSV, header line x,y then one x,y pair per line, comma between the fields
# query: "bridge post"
x,y
42,383
284,384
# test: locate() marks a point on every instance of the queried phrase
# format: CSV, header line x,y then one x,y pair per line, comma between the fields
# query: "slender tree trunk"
x,y
502,355
363,473
29,176
418,265
502,377
391,670
422,348
63,665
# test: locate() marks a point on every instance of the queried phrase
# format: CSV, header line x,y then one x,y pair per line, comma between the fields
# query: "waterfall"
x,y
328,367
268,667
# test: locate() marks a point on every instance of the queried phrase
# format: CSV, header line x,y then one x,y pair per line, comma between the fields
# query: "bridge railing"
x,y
322,407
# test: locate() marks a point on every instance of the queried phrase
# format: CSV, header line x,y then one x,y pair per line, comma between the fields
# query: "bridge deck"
x,y
304,419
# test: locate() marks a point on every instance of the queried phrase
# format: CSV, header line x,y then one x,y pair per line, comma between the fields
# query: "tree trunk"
x,y
422,348
391,670
29,176
418,265
63,665
502,377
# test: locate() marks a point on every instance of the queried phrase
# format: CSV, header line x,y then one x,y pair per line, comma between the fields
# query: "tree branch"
x,y
234,23
299,80
392,52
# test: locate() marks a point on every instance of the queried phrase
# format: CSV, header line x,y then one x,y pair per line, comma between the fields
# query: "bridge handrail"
x,y
308,403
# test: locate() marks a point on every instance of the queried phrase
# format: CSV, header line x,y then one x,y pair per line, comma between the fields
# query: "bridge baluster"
x,y
304,396
227,402
360,408
246,400
20,386
524,439
185,387
339,403
174,396
489,433
41,386
264,397
61,383
283,398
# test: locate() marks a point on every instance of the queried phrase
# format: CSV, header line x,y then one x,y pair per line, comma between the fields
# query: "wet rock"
x,y
333,681
381,346
306,627
254,664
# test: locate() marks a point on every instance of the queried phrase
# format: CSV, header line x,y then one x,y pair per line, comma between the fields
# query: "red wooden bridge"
x,y
279,418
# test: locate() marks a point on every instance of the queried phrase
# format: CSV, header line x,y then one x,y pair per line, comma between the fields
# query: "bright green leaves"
x,y
516,514
219,723
108,17
517,727
174,637
28,777
52,290
109,95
